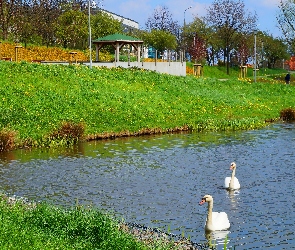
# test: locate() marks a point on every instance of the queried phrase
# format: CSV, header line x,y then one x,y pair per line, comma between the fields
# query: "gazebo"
x,y
117,41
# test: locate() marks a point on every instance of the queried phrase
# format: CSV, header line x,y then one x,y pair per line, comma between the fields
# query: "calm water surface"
x,y
158,181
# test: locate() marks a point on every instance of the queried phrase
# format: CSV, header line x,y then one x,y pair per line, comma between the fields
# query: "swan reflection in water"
x,y
215,238
233,197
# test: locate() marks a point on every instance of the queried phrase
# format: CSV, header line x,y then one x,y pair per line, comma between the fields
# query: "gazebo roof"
x,y
117,38
117,41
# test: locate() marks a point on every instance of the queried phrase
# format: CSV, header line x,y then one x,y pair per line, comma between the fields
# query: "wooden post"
x,y
16,52
73,54
198,70
117,52
138,53
255,73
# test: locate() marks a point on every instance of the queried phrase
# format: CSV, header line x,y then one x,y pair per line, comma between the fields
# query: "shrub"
x,y
288,114
7,140
69,131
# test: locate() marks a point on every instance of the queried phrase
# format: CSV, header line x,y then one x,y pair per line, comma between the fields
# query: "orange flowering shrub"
x,y
153,59
189,70
291,63
31,53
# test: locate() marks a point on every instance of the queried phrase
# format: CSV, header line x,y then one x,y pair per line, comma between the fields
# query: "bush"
x,y
69,131
7,140
288,114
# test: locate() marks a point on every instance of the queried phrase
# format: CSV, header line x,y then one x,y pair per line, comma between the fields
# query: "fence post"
x,y
16,52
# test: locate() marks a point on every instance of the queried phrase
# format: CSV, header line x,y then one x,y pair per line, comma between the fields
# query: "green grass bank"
x,y
48,105
45,227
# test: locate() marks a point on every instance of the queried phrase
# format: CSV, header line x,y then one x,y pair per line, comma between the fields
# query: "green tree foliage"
x,y
273,50
229,20
54,22
72,29
162,19
160,40
103,24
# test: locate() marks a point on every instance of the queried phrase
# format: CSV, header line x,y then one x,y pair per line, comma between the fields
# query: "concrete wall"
x,y
171,68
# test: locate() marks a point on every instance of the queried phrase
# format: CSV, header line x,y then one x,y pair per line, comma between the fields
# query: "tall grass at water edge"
x,y
47,227
38,100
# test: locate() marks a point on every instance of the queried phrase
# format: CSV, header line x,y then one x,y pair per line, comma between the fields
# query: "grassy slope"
x,y
48,227
35,99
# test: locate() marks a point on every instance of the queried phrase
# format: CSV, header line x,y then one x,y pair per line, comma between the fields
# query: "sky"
x,y
141,10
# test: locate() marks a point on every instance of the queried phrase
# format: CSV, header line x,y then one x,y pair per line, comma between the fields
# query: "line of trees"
x,y
225,35
53,22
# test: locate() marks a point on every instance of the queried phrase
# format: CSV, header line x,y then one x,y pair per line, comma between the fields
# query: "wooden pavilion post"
x,y
117,52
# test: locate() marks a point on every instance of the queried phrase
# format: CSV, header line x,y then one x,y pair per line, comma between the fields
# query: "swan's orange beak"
x,y
202,202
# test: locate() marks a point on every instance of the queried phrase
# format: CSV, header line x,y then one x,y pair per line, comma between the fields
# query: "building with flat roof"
x,y
127,23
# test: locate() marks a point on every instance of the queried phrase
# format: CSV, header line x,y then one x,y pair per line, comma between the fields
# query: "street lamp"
x,y
184,29
89,23
184,15
255,62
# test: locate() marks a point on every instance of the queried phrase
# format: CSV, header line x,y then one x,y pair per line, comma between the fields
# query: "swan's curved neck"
x,y
209,215
231,184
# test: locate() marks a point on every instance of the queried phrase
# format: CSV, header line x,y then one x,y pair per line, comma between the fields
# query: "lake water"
x,y
159,180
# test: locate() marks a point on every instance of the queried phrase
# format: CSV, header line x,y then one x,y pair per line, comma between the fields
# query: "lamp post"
x,y
184,15
90,49
184,29
255,62
262,54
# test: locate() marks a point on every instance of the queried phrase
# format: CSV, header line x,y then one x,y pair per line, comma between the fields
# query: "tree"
x,y
163,30
197,50
243,50
24,24
8,15
193,38
274,50
102,24
286,21
229,20
160,40
162,20
46,13
72,29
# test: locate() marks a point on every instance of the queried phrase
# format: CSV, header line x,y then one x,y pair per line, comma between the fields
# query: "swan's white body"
x,y
232,182
216,221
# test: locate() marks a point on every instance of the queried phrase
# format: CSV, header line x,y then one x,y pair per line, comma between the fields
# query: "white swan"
x,y
232,182
216,221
